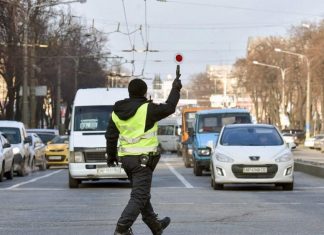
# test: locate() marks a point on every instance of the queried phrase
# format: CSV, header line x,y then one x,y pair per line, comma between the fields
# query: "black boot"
x,y
157,226
122,229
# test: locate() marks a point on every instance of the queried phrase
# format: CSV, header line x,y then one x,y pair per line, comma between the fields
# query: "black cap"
x,y
137,88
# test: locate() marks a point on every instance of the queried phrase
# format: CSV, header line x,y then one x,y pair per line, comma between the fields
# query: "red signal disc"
x,y
179,58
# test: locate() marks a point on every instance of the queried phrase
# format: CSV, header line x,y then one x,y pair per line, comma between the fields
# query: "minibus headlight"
x,y
76,157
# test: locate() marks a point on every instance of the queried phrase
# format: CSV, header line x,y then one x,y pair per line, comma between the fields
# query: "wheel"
x,y
73,183
187,163
2,172
197,170
43,166
9,175
47,166
213,184
23,167
33,165
288,186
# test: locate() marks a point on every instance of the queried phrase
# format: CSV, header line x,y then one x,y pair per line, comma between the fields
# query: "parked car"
x,y
6,159
17,136
290,139
46,135
37,152
57,151
322,145
298,134
251,153
310,142
318,143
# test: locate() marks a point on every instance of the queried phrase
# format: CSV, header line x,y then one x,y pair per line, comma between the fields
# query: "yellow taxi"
x,y
57,151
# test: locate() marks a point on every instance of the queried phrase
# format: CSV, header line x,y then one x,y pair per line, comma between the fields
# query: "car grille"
x,y
56,150
95,157
271,171
51,158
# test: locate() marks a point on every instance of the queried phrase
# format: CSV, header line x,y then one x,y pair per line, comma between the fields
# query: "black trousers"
x,y
140,197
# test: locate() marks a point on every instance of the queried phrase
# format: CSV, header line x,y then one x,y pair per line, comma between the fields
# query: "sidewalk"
x,y
309,161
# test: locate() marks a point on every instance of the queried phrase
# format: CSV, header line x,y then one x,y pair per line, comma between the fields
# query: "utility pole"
x,y
32,89
58,95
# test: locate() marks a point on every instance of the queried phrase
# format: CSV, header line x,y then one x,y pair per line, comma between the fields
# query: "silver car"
x,y
37,152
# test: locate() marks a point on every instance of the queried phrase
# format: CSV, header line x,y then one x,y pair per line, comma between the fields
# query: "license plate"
x,y
254,170
109,170
54,157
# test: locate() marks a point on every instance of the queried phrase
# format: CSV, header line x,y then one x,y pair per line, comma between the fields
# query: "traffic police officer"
x,y
134,124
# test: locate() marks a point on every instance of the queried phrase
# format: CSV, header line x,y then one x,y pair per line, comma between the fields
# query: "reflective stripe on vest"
x,y
135,140
132,138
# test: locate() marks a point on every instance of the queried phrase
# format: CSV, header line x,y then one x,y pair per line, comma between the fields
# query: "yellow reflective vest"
x,y
132,138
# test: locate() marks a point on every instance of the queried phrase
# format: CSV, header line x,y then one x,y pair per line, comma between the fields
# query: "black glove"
x,y
177,83
112,161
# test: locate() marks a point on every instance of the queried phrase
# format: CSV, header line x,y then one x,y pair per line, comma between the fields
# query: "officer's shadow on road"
x,y
106,184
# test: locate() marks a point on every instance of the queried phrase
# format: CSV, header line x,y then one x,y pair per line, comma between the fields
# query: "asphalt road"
x,y
42,203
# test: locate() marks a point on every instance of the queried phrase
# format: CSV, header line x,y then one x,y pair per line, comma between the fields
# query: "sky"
x,y
213,32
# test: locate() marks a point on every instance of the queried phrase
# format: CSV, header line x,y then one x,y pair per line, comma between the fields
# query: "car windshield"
x,y
214,122
12,134
45,137
60,140
189,117
92,118
250,136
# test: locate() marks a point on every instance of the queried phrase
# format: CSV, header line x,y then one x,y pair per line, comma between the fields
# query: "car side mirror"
x,y
191,131
28,140
291,146
6,145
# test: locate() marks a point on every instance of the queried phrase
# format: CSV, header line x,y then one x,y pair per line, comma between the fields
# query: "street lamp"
x,y
283,72
301,56
25,54
187,92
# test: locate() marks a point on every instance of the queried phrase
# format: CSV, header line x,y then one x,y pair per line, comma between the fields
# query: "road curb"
x,y
310,168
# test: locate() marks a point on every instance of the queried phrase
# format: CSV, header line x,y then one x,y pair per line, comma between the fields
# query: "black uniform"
x,y
141,177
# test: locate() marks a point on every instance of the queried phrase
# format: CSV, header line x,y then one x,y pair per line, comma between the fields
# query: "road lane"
x,y
48,206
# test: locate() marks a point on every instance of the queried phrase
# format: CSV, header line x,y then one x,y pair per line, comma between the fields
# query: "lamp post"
x,y
304,57
186,90
25,118
283,72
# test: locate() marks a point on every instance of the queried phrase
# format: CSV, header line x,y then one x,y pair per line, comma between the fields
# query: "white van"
x,y
169,134
91,112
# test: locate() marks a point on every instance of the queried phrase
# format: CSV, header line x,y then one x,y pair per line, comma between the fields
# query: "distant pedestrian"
x,y
134,124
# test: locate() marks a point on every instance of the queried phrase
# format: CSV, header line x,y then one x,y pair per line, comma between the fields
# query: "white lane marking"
x,y
230,203
33,180
179,176
33,189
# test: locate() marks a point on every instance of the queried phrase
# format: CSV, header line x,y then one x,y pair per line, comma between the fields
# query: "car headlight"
x,y
223,158
204,152
15,150
76,157
284,158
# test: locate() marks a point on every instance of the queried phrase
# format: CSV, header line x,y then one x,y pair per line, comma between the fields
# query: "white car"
x,y
290,139
15,132
6,159
249,154
310,142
